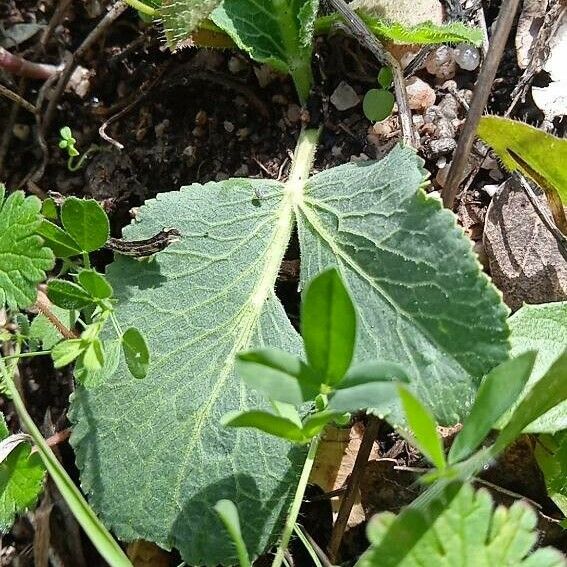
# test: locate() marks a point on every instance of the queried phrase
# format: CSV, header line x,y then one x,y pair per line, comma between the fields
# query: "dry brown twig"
x,y
6,92
481,93
348,498
358,28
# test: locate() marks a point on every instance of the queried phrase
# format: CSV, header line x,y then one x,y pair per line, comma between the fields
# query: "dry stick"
x,y
19,66
360,31
57,16
542,213
552,19
44,307
67,71
4,91
370,434
481,93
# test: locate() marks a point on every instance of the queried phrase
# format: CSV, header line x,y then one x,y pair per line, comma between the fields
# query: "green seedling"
x,y
67,143
379,103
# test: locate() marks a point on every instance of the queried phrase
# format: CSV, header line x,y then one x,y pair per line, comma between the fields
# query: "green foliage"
x,y
378,104
62,245
328,327
23,257
68,295
542,328
460,527
21,477
181,17
95,284
424,429
422,34
531,151
86,222
551,455
67,142
419,292
276,32
136,352
43,331
229,516
498,391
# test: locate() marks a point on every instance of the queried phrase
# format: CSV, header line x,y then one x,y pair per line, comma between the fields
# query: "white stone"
x,y
344,97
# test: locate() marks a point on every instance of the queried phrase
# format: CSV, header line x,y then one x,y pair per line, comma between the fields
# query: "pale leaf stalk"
x,y
141,7
98,534
296,504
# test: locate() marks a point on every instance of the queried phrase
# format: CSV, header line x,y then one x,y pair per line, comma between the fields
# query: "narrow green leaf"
x,y
228,513
328,326
68,295
499,390
551,455
278,375
266,422
548,392
23,257
65,352
369,385
385,77
58,240
136,352
96,284
86,222
535,153
424,429
378,104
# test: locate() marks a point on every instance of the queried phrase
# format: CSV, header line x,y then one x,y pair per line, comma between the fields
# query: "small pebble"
x,y
360,157
280,99
236,65
382,129
491,189
467,56
221,176
344,97
243,133
228,126
265,75
336,151
201,118
420,95
160,128
21,131
435,148
293,113
242,171
441,63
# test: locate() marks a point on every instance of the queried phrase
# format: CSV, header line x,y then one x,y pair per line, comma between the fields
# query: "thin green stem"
x,y
98,534
141,7
86,260
116,325
27,355
296,504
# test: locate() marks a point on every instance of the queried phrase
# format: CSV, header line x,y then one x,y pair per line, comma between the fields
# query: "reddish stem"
x,y
20,66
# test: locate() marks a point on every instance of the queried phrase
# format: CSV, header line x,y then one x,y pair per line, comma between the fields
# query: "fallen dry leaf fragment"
x,y
525,261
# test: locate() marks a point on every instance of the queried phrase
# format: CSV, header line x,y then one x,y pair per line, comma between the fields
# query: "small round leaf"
x,y
136,352
86,222
378,104
96,284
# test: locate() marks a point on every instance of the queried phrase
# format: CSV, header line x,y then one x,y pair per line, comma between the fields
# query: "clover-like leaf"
x,y
21,480
86,222
450,530
419,292
23,257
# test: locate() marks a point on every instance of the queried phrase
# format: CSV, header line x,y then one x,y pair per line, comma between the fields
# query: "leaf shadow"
x,y
129,275
213,545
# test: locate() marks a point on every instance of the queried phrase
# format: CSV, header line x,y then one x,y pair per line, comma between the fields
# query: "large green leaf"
x,y
276,32
23,257
542,328
153,455
458,529
421,298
